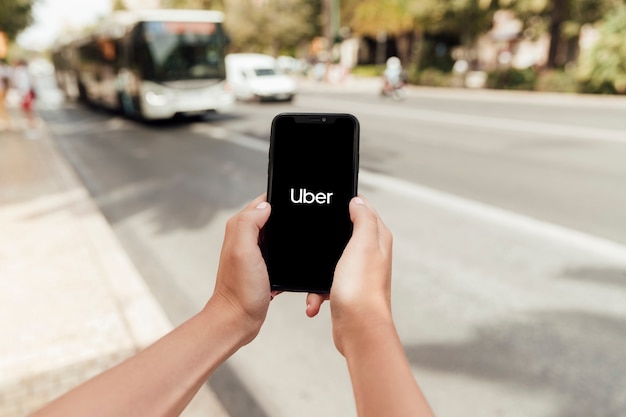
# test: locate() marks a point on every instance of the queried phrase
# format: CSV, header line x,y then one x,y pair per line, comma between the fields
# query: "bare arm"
x,y
363,327
380,373
161,380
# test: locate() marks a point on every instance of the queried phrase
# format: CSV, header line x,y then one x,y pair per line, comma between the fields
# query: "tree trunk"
x,y
381,48
403,46
416,49
572,50
558,15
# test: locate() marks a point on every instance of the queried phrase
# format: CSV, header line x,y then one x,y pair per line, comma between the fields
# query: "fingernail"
x,y
262,205
358,200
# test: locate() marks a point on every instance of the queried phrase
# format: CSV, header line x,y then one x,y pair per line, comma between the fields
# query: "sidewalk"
x,y
372,85
71,302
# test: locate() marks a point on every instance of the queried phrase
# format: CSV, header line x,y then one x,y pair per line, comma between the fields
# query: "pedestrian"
x,y
393,76
161,380
5,83
23,83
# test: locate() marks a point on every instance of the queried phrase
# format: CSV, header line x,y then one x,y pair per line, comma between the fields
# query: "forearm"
x,y
381,375
161,380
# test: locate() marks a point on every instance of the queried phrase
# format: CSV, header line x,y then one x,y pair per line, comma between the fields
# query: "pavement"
x,y
72,303
360,84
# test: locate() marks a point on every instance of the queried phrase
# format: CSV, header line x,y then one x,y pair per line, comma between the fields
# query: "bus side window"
x,y
141,59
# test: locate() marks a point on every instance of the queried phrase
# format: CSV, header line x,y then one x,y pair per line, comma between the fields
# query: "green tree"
x,y
563,20
15,16
466,18
602,69
119,5
407,20
271,26
194,4
566,19
394,18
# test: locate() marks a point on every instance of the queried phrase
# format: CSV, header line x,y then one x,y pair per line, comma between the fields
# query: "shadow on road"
x,y
598,275
588,375
182,178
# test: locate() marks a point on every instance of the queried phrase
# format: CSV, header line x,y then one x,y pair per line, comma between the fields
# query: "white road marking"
x,y
484,212
492,214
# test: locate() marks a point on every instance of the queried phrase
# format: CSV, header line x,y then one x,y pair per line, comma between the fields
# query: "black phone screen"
x,y
312,176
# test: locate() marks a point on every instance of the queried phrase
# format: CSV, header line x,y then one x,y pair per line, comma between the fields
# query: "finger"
x,y
254,216
314,302
384,235
258,200
365,221
243,229
367,203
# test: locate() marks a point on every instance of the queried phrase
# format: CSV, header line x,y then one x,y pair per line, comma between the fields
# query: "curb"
x,y
85,305
144,317
134,299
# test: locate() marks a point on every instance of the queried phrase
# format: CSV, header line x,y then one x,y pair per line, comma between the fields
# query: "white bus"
x,y
151,64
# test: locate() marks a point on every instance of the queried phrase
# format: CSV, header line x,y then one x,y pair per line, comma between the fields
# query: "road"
x,y
509,218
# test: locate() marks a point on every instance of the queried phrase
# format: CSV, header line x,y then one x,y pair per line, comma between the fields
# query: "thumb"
x,y
259,210
260,213
365,220
249,221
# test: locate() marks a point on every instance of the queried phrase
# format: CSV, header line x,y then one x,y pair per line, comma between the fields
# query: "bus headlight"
x,y
155,99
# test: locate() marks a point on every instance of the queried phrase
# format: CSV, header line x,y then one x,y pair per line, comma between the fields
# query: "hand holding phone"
x,y
312,176
362,281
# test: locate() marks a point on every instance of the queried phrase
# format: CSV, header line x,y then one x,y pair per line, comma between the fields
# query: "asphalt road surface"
x,y
509,218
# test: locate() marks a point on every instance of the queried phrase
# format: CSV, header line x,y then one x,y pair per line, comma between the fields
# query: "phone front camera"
x,y
323,119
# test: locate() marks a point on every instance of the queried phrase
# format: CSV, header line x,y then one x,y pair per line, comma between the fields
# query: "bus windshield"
x,y
169,51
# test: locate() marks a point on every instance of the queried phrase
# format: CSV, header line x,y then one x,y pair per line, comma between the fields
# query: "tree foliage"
x,y
467,18
119,5
370,17
271,26
275,26
563,19
603,67
194,4
15,16
404,20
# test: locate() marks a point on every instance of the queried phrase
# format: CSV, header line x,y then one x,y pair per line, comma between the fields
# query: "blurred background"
x,y
543,45
493,143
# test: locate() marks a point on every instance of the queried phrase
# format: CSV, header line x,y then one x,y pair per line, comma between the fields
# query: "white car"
x,y
256,76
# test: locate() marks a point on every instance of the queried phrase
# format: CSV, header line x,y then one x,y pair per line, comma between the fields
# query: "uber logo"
x,y
303,196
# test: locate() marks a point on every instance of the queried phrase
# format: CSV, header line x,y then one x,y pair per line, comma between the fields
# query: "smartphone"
x,y
312,176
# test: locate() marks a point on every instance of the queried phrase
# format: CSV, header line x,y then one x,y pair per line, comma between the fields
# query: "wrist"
x,y
361,329
243,329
